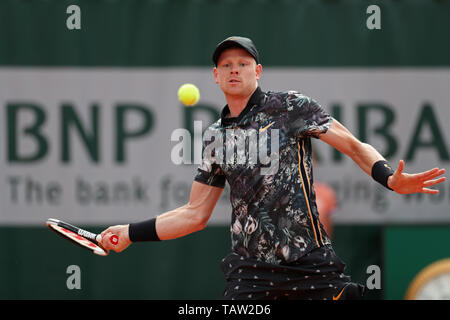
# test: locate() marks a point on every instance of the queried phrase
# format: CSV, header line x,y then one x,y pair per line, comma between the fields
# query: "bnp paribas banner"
x,y
112,145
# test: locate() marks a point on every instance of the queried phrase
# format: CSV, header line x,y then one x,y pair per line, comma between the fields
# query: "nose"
x,y
234,69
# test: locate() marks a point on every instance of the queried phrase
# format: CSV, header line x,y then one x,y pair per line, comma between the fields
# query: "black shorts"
x,y
319,275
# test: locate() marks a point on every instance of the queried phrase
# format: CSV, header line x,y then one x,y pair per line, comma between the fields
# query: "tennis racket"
x,y
81,237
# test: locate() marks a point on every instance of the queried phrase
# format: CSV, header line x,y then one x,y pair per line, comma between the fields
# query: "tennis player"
x,y
280,249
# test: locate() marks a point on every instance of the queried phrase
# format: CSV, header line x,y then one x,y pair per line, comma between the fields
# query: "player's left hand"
x,y
405,183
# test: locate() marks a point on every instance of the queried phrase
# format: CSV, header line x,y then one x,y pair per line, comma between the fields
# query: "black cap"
x,y
236,42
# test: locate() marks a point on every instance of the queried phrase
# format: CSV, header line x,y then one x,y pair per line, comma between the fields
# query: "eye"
x,y
243,64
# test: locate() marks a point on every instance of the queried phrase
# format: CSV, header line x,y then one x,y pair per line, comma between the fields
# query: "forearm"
x,y
179,222
173,224
364,155
170,225
374,164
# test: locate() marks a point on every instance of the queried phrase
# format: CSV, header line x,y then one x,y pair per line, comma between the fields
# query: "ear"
x,y
258,70
215,75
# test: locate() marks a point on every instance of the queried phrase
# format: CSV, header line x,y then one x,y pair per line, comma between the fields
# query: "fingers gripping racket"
x,y
83,238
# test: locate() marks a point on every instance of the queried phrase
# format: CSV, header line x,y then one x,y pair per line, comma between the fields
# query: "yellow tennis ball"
x,y
188,94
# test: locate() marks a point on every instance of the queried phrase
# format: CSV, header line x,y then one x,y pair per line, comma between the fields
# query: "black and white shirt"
x,y
265,155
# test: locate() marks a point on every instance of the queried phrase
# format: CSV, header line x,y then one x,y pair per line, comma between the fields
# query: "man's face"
x,y
237,72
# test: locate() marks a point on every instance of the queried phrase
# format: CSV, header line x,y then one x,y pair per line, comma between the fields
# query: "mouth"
x,y
234,81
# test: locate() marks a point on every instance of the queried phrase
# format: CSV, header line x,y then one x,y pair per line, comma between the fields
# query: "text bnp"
x,y
28,142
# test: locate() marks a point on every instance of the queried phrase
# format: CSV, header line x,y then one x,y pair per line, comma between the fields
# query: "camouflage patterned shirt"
x,y
265,155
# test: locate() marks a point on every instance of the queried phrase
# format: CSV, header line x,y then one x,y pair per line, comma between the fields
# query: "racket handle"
x,y
114,239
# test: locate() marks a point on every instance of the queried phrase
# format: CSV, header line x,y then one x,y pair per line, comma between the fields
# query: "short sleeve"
x,y
209,171
306,117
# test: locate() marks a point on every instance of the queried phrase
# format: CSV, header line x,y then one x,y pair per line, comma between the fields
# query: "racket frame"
x,y
92,237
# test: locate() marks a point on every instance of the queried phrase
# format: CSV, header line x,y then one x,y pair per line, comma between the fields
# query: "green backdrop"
x,y
183,32
34,262
407,251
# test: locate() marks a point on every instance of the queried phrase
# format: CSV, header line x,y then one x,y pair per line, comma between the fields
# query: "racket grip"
x,y
114,239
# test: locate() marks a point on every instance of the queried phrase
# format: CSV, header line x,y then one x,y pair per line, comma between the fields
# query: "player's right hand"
x,y
122,232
